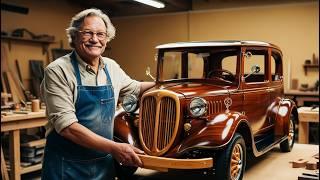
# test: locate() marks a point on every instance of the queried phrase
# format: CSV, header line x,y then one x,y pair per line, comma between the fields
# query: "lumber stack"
x,y
10,82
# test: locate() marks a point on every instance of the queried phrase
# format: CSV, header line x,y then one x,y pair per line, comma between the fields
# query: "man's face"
x,y
90,41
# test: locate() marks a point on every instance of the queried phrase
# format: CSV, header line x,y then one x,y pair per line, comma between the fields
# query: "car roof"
x,y
215,44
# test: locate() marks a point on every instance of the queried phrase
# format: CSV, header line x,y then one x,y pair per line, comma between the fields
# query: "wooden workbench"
x,y
300,97
13,124
272,166
306,115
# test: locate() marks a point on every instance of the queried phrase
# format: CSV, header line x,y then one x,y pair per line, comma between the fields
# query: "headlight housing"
x,y
130,103
198,107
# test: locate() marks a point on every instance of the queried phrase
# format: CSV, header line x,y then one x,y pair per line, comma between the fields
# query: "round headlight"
x,y
198,107
129,103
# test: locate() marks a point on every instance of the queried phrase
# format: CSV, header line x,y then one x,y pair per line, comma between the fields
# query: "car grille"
x,y
215,107
159,121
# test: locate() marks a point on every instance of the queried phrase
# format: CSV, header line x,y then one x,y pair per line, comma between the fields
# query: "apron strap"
x,y
76,68
108,75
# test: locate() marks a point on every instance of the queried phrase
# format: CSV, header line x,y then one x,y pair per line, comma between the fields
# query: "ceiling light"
x,y
153,3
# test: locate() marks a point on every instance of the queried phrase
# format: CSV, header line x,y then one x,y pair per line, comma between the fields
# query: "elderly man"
x,y
81,90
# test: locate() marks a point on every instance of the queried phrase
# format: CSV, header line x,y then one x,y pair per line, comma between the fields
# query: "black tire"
x,y
224,160
124,172
287,145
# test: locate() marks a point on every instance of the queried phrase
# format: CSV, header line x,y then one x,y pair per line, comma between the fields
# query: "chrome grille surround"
x,y
159,121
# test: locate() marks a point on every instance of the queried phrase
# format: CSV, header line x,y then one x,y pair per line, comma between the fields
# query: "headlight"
x,y
129,103
198,107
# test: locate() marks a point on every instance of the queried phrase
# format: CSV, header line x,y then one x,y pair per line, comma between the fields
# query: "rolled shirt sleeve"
x,y
128,85
122,83
58,96
59,90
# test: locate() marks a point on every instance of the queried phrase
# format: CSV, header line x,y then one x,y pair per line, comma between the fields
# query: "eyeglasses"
x,y
89,34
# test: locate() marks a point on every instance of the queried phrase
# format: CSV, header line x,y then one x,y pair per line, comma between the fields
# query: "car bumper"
x,y
164,164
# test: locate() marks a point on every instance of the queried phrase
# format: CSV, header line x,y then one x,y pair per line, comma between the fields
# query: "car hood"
x,y
192,89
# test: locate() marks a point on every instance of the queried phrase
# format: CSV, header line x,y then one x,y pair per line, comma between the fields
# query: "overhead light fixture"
x,y
153,3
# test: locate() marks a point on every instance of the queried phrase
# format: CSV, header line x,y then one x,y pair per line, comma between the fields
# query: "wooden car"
x,y
214,104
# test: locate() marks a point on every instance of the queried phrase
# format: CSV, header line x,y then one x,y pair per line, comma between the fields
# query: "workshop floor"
x,y
271,166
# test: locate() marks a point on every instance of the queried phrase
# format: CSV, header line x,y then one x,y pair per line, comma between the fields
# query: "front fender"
x,y
216,133
124,128
286,108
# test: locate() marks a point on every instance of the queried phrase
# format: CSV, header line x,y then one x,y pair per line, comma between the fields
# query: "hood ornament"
x,y
227,102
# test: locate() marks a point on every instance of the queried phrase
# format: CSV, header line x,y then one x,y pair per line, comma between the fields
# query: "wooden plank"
x,y
312,164
13,83
15,154
36,143
6,82
4,58
32,168
13,125
306,115
299,163
18,70
303,136
171,163
4,171
15,88
309,116
30,115
3,84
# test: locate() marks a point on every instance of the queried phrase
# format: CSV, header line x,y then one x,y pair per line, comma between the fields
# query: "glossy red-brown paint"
x,y
260,106
125,130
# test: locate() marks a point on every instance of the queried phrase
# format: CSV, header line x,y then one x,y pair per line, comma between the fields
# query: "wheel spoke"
x,y
233,161
236,162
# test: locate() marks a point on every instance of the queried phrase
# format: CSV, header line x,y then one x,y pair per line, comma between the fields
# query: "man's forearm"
x,y
145,86
122,152
81,135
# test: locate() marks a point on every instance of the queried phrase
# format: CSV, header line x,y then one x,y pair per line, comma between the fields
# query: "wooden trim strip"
x,y
153,162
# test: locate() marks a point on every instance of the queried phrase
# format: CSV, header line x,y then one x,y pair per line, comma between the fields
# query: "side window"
x,y
230,63
276,66
171,65
195,66
255,59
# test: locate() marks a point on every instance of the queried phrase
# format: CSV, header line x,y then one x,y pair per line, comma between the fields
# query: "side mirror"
x,y
148,73
255,69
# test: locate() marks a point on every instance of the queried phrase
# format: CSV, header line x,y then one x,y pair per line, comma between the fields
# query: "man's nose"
x,y
94,37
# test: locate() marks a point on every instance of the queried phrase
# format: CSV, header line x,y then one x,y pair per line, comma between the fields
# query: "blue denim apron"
x,y
64,159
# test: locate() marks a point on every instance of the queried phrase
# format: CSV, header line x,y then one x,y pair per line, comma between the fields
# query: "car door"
x,y
255,88
276,90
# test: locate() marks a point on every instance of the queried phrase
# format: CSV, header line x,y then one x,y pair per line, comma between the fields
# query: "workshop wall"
x,y
293,27
136,39
45,17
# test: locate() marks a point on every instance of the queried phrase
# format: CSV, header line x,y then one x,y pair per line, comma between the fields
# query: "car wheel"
x,y
287,145
124,172
231,162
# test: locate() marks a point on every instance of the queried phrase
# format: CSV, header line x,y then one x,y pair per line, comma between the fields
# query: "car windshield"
x,y
193,64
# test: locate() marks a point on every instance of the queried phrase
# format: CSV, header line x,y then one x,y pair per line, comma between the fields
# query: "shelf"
x,y
44,43
36,143
31,168
309,66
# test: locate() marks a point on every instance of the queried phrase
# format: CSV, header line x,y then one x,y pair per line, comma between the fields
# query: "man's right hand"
x,y
126,155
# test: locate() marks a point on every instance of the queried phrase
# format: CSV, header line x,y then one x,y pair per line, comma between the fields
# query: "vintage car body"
x,y
214,103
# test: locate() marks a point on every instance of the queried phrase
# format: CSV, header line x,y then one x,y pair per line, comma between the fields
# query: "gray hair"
x,y
77,20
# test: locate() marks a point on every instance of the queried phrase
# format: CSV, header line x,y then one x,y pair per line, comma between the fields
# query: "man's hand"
x,y
126,155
